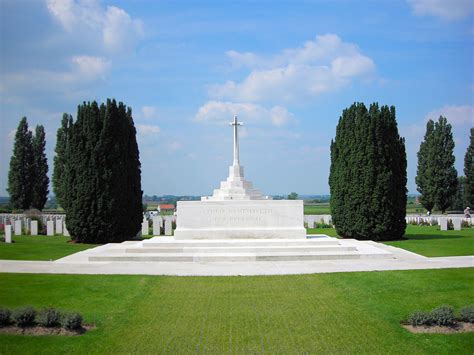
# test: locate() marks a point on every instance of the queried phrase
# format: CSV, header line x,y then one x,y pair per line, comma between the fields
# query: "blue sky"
x,y
286,68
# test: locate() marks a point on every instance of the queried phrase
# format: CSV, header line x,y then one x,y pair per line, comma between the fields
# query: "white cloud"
x,y
222,112
447,9
322,65
149,111
89,67
147,130
112,26
83,70
120,30
456,115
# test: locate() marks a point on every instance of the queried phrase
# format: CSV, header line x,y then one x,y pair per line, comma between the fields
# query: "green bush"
x,y
443,315
71,321
24,317
450,225
49,317
418,318
467,314
5,317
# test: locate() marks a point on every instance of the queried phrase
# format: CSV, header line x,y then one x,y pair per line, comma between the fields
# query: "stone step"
x,y
173,243
242,249
230,257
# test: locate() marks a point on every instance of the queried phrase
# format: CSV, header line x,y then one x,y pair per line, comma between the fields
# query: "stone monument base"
x,y
240,219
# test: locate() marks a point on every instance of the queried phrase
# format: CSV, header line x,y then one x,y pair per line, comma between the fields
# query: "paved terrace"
x,y
79,264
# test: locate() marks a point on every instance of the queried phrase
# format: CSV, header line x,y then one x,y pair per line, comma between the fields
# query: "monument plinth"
x,y
237,210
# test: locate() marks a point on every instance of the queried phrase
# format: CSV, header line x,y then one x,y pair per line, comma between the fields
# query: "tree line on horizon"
x,y
97,172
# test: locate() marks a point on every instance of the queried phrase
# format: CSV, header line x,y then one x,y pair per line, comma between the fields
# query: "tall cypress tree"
x,y
447,176
102,175
426,170
21,173
436,175
41,180
59,181
368,174
469,173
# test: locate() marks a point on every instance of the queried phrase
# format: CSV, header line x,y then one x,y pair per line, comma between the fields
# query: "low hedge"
x,y
47,317
442,315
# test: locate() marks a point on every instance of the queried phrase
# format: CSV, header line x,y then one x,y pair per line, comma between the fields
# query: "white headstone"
x,y
59,226
50,228
145,227
65,231
157,220
34,228
443,223
327,219
168,226
27,225
457,224
8,233
18,227
310,222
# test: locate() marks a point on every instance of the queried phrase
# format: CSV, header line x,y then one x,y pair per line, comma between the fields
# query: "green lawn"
x,y
426,240
40,248
430,241
320,208
325,313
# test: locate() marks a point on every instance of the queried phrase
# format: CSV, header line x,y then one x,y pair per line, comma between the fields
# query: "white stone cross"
x,y
236,140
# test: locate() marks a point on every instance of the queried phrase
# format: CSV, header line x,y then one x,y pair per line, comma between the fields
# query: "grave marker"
x,y
168,226
145,227
443,223
34,228
50,228
59,226
8,233
18,227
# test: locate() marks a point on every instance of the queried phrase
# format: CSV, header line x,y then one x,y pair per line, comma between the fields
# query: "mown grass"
x,y
28,247
430,241
326,313
426,240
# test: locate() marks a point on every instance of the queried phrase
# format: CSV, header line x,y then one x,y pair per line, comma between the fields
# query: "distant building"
x,y
165,208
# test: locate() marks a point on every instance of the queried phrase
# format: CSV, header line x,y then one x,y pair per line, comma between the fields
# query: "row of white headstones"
x,y
159,223
58,226
53,227
311,220
164,224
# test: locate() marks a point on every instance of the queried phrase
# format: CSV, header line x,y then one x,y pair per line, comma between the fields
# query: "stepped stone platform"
x,y
169,249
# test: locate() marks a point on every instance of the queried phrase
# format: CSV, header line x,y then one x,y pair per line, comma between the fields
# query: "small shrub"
x,y
418,318
443,315
49,317
467,314
5,317
465,224
24,317
450,225
71,321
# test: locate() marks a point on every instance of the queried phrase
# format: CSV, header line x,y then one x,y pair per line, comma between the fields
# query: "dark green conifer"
x,y
102,175
59,185
41,181
469,173
21,173
436,175
447,176
426,170
368,174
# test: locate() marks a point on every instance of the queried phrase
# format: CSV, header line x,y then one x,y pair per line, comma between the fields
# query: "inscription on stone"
x,y
242,214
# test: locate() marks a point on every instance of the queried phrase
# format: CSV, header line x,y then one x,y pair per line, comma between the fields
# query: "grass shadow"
x,y
429,236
